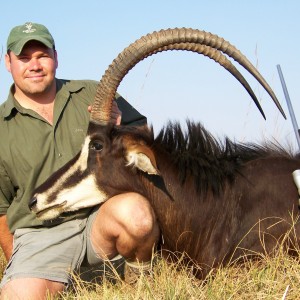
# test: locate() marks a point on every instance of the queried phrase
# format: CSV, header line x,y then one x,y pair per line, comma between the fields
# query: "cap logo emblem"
x,y
29,28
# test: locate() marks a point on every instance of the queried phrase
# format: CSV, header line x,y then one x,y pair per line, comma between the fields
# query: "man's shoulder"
x,y
5,109
3,105
2,110
75,84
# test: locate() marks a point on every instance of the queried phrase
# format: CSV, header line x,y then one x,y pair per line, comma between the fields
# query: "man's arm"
x,y
6,238
130,116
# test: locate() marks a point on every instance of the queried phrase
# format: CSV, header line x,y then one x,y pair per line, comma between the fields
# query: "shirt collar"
x,y
69,86
62,86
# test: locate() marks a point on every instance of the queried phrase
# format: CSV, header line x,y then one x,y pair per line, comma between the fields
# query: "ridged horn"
x,y
218,57
172,39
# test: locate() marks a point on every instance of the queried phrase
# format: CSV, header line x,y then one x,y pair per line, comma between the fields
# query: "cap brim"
x,y
18,47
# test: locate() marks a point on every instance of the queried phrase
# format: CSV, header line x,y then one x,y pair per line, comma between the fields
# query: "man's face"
x,y
33,70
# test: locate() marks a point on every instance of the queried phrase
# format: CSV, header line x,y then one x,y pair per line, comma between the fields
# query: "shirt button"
x,y
59,155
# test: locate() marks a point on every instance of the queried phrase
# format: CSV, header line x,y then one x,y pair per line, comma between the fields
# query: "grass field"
x,y
275,277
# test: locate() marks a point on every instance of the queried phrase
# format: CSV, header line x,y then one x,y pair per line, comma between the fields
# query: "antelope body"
x,y
212,200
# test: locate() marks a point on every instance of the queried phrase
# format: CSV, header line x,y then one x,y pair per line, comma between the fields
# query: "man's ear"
x,y
7,62
142,158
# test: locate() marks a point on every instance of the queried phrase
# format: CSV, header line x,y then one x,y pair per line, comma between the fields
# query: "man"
x,y
42,125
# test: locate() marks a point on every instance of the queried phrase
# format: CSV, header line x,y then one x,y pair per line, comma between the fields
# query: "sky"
x,y
178,85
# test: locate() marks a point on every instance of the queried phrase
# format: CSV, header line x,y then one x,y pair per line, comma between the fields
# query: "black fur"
x,y
211,162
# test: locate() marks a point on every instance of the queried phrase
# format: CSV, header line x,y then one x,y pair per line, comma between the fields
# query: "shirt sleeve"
x,y
6,190
130,116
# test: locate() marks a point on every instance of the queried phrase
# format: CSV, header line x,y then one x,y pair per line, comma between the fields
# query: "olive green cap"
x,y
22,34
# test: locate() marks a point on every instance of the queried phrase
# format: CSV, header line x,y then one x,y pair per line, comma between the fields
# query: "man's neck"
x,y
42,103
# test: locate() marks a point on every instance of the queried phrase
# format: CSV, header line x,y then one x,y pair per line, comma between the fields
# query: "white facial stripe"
x,y
83,158
84,194
80,164
50,214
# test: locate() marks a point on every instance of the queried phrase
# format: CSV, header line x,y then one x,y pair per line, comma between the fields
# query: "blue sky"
x,y
175,86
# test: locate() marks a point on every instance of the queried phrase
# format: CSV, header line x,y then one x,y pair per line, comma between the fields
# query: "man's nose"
x,y
34,64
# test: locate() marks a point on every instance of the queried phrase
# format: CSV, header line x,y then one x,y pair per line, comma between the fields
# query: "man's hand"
x,y
116,114
6,238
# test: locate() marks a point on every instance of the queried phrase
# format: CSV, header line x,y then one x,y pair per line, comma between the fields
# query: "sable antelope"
x,y
207,195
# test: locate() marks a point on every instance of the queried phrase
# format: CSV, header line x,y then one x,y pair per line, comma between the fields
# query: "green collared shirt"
x,y
31,149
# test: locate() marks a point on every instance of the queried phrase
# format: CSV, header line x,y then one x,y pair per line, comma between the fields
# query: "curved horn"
x,y
165,40
218,57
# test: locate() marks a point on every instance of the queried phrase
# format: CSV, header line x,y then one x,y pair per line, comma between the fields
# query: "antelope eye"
x,y
96,145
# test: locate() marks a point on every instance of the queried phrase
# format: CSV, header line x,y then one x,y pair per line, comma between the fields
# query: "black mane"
x,y
196,153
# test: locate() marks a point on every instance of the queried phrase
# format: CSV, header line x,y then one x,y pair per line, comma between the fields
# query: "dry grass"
x,y
2,263
268,278
275,277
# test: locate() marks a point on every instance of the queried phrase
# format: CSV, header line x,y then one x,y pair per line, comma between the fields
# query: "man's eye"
x,y
96,145
23,59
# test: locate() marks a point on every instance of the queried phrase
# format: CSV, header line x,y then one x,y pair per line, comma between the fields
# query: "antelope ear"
x,y
142,158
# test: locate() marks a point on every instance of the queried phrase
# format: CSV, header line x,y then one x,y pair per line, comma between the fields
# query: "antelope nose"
x,y
32,202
